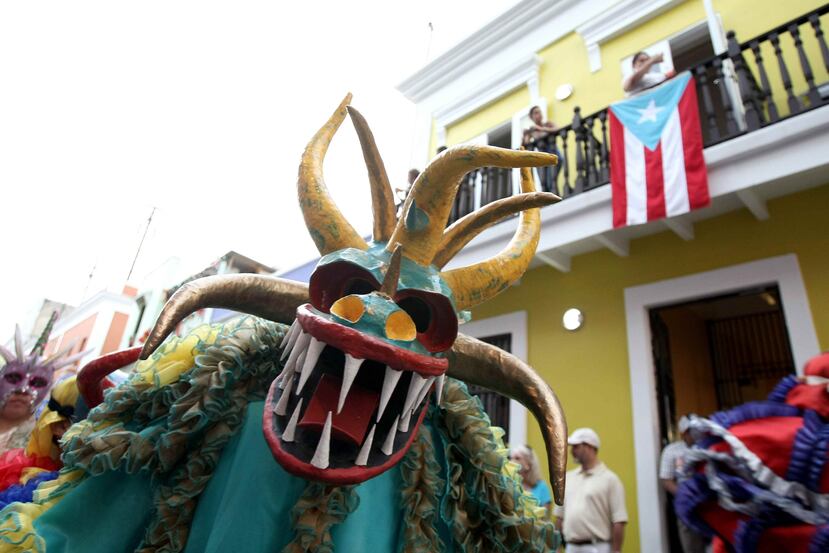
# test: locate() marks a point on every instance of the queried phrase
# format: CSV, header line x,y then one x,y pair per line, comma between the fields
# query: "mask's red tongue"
x,y
353,421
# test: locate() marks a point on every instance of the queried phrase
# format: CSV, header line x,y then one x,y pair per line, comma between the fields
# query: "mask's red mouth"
x,y
347,406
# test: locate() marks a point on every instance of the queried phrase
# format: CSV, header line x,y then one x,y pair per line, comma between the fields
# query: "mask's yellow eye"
x,y
350,308
399,326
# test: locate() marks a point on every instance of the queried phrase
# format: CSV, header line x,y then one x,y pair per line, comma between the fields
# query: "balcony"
x,y
753,87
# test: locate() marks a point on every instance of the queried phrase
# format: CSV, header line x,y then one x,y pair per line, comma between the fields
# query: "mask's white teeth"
x,y
388,445
424,391
404,422
299,361
288,339
282,405
350,370
389,384
290,369
288,435
314,350
320,458
439,389
415,386
362,457
302,341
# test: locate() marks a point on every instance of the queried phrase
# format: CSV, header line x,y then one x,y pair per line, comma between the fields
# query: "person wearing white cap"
x,y
671,474
593,517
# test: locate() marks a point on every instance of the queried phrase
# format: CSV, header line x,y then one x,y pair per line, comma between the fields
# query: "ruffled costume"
x,y
759,478
19,467
175,460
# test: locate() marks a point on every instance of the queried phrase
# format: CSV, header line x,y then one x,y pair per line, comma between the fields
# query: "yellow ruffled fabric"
x,y
174,356
40,442
16,527
164,367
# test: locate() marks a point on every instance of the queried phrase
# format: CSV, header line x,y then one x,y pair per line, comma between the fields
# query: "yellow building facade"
x,y
764,237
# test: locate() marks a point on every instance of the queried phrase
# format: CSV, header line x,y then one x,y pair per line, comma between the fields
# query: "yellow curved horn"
x,y
382,198
477,283
479,363
329,229
468,227
427,206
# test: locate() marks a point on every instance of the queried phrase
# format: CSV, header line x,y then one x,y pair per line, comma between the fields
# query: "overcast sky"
x,y
201,110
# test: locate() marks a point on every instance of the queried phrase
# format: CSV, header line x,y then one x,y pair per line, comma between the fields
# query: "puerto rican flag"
x,y
656,164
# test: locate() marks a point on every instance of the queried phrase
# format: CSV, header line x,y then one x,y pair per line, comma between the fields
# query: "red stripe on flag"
x,y
696,174
617,172
656,182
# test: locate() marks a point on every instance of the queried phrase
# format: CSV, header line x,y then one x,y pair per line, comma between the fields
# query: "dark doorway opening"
x,y
715,353
495,405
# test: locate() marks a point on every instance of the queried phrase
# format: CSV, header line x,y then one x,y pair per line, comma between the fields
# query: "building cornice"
x,y
617,20
498,35
494,87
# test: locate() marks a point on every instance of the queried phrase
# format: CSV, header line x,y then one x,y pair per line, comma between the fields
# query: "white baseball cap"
x,y
584,436
684,424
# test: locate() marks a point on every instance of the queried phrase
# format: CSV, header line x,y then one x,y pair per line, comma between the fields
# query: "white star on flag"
x,y
649,113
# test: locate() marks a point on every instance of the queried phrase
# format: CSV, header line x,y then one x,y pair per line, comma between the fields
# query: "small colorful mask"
x,y
380,331
32,374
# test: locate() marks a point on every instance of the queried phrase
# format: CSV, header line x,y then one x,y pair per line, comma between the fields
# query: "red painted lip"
x,y
363,346
337,476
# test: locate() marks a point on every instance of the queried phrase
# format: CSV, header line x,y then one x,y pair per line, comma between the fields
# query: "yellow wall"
x,y
489,117
565,61
589,370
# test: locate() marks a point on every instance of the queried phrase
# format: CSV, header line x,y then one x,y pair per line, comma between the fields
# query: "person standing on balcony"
x,y
671,473
642,77
593,517
540,136
403,192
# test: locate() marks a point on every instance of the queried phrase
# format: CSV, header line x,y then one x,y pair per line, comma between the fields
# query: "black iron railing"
x,y
752,85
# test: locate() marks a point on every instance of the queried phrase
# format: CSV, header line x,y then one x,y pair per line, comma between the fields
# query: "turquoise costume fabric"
x,y
244,515
175,460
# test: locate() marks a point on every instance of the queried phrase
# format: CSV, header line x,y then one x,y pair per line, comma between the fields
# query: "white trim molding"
x,y
515,324
617,20
494,87
784,271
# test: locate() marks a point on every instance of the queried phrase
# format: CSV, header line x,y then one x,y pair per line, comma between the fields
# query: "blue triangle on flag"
x,y
646,114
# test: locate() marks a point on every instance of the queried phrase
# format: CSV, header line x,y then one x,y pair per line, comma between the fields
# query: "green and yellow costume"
x,y
175,459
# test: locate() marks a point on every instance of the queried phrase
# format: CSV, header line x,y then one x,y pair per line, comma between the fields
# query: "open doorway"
x,y
716,353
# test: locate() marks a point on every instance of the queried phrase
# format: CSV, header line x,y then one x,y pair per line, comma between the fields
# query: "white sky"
x,y
200,109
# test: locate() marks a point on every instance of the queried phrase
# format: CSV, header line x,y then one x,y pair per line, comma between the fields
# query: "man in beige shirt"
x,y
593,516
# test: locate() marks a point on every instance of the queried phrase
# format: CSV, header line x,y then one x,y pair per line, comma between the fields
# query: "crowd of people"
x,y
593,517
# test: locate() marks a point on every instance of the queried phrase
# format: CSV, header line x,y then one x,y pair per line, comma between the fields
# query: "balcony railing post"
x,y
590,151
708,104
794,105
813,95
771,107
564,161
578,129
747,93
814,19
604,173
731,115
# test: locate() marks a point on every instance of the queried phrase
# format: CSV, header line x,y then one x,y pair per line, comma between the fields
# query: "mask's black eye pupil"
x,y
38,382
418,310
358,286
13,378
